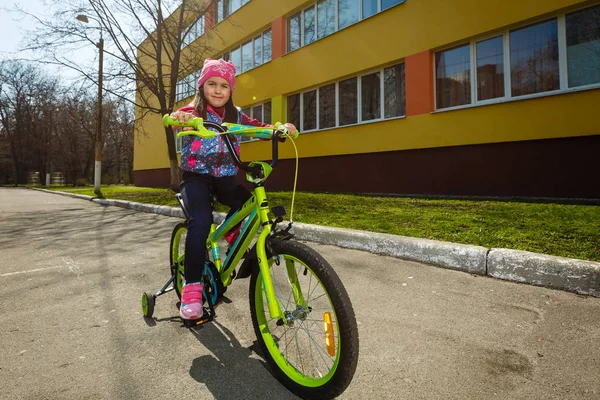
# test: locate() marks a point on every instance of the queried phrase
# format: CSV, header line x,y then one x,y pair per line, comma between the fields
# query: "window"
x,y
453,77
260,112
309,109
348,12
394,91
490,68
305,27
338,104
227,7
236,59
327,106
550,56
195,31
178,140
369,8
583,47
294,32
370,97
309,25
348,107
534,59
258,58
247,56
267,46
293,109
325,18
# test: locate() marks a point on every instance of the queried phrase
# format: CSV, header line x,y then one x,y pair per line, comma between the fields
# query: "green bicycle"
x,y
301,312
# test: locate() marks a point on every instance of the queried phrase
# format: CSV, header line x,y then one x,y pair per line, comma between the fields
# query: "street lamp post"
x,y
99,138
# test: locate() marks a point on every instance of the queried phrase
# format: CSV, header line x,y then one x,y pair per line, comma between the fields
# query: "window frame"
x,y
314,6
359,119
505,34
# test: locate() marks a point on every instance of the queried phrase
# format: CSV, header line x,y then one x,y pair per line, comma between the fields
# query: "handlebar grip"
x,y
281,128
193,122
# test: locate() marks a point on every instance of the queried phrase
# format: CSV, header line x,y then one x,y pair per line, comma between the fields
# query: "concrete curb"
x,y
572,275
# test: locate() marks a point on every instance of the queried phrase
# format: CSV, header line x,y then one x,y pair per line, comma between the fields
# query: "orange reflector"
x,y
328,328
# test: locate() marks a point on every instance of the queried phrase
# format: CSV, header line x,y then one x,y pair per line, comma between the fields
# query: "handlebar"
x,y
200,129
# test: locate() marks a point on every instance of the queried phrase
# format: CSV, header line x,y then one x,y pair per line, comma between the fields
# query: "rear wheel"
x,y
313,352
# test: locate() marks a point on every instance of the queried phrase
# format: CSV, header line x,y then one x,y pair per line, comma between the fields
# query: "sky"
x,y
13,27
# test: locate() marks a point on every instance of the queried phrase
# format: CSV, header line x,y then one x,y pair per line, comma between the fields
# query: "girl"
x,y
209,169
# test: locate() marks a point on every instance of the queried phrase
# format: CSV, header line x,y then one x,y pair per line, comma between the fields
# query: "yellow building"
x,y
437,97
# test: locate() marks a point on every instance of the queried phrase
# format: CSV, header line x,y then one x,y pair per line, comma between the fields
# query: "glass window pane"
x,y
369,7
236,59
347,12
534,59
257,112
325,18
453,77
247,55
327,106
220,11
310,110
267,113
267,46
309,25
226,56
226,8
490,69
294,32
348,98
385,4
583,47
293,109
258,51
370,86
235,5
394,91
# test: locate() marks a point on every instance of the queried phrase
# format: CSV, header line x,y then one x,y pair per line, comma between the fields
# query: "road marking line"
x,y
31,270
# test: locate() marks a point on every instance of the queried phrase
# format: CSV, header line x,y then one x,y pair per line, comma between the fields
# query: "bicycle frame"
x,y
256,210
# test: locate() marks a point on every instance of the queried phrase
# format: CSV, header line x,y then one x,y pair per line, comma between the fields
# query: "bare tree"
x,y
144,43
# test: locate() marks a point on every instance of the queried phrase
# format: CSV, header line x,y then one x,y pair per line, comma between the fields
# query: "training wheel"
x,y
148,304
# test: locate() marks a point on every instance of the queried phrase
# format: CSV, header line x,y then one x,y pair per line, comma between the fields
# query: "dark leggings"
x,y
197,191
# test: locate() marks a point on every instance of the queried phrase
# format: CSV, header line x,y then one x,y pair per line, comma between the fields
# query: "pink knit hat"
x,y
221,68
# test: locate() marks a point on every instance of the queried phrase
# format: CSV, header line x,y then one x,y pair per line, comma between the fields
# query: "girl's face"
x,y
217,91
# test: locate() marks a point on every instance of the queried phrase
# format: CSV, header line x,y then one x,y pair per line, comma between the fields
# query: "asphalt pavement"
x,y
72,273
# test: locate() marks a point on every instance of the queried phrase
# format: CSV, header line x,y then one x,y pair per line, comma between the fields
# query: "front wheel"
x,y
314,351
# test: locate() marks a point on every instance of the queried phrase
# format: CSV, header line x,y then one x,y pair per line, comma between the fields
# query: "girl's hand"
x,y
291,128
182,117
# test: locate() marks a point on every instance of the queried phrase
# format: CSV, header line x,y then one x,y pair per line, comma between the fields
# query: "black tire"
x,y
176,255
296,373
177,262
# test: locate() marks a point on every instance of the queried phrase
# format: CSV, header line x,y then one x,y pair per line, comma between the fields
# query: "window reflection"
x,y
453,77
370,96
325,18
583,47
293,109
348,97
294,33
534,59
310,110
309,25
369,7
348,11
247,54
490,69
327,106
394,91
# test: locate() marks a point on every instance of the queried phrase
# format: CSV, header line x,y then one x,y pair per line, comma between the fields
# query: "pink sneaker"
x,y
191,301
232,236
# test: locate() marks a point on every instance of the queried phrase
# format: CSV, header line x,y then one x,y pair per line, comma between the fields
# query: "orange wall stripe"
x,y
419,83
278,37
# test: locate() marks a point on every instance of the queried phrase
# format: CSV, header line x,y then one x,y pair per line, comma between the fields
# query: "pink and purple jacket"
x,y
210,156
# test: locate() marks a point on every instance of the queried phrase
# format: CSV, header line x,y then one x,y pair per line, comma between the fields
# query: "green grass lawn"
x,y
568,230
